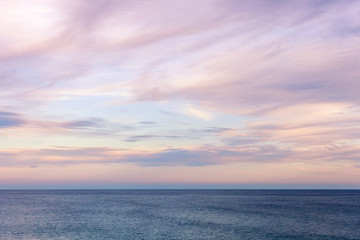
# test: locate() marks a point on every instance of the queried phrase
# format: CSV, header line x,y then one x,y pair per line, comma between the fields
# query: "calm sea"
x,y
180,214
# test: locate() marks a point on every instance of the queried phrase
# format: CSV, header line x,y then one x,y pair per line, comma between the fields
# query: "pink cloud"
x,y
288,72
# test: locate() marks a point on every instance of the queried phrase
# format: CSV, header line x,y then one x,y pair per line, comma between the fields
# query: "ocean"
x,y
180,214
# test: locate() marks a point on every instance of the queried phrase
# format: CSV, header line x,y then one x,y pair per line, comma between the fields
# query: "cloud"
x,y
203,157
287,60
9,119
138,138
162,157
170,113
242,140
147,122
198,113
85,124
180,156
245,69
272,81
94,127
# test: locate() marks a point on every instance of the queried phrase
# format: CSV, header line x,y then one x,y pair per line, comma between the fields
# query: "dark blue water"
x,y
180,214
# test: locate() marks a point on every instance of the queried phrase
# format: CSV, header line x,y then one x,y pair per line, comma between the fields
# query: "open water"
x,y
180,214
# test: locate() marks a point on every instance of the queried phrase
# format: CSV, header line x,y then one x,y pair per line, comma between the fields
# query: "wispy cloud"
x,y
181,156
179,84
9,119
161,157
198,113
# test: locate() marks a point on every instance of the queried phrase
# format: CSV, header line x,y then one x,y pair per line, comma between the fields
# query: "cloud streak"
x,y
203,156
8,119
178,84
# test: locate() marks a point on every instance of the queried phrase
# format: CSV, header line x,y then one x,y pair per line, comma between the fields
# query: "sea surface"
x,y
180,214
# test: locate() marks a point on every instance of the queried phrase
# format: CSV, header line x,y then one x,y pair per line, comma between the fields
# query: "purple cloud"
x,y
173,83
8,119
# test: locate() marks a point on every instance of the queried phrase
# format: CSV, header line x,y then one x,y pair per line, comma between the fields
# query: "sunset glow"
x,y
173,94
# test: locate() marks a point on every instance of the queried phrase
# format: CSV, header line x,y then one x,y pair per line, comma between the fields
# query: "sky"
x,y
179,94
